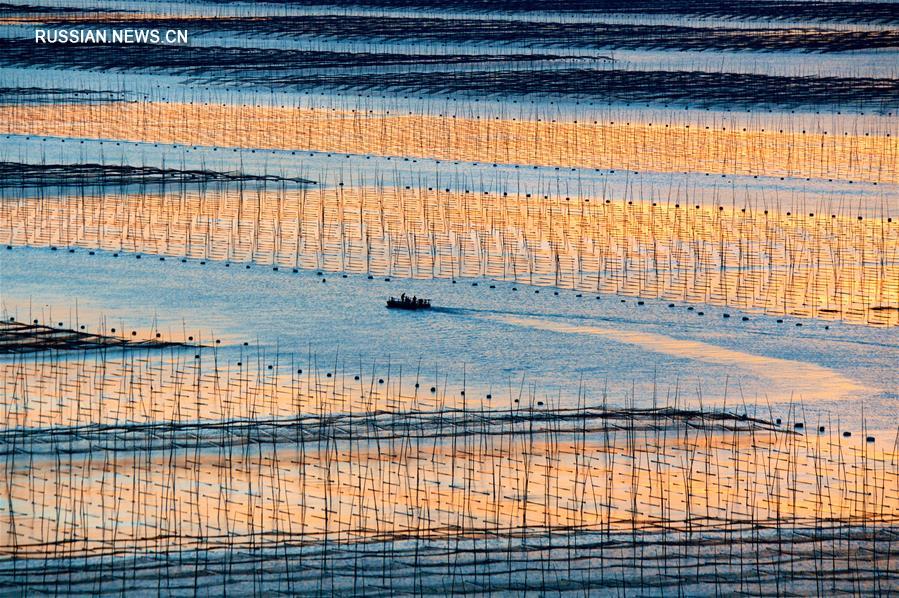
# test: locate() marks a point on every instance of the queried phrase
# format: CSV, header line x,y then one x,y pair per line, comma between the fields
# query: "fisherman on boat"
x,y
409,303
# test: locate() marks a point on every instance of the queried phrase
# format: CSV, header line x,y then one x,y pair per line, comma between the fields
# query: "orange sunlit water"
x,y
811,265
639,146
356,490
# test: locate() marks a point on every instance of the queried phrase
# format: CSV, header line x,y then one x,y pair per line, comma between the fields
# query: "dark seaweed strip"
x,y
17,337
700,89
416,558
280,69
522,33
201,60
43,95
16,175
830,11
381,425
18,10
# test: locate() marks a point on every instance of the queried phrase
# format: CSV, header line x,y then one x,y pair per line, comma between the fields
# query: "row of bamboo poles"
x,y
824,265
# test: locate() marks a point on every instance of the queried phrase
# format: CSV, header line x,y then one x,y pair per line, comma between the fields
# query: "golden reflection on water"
x,y
197,476
683,477
122,387
640,146
811,265
354,490
785,379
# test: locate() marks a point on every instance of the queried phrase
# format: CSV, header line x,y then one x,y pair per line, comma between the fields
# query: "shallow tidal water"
x,y
491,339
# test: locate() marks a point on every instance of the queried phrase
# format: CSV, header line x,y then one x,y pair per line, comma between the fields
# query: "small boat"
x,y
408,303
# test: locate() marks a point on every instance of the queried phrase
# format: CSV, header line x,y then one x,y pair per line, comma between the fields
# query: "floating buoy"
x,y
847,434
799,425
725,315
870,439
